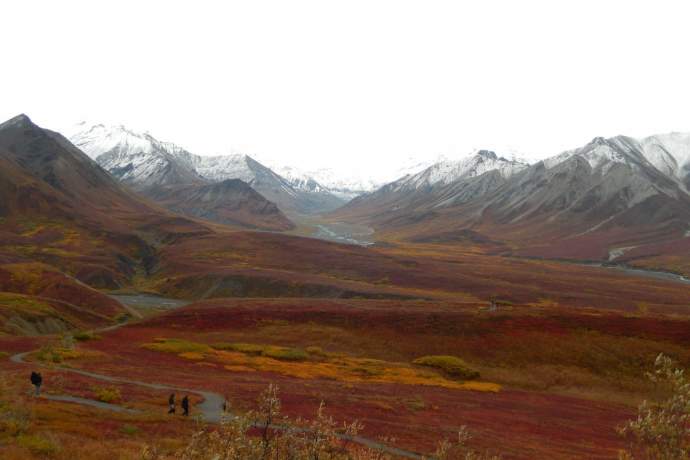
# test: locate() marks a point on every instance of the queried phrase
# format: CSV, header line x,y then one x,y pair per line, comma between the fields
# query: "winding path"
x,y
210,407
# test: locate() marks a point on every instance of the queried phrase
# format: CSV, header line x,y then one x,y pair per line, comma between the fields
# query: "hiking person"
x,y
171,403
185,406
36,381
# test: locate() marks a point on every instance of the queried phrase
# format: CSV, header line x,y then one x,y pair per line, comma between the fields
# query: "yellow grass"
x,y
177,346
317,366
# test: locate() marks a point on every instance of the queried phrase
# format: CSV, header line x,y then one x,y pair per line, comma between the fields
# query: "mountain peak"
x,y
487,154
21,120
599,140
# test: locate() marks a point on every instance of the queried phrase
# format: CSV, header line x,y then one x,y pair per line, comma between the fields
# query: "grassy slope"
x,y
568,377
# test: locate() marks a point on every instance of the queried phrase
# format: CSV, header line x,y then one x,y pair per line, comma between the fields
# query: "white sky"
x,y
352,83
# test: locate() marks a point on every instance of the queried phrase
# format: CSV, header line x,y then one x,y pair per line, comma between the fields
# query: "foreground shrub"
x,y
662,428
451,365
458,450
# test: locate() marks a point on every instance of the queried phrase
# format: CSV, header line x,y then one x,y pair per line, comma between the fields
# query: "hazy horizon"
x,y
315,85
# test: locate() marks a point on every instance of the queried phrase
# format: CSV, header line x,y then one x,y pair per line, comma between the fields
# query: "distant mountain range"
x,y
612,199
145,163
608,198
348,185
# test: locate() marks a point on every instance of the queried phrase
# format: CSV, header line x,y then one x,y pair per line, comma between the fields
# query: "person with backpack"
x,y
185,406
171,404
36,380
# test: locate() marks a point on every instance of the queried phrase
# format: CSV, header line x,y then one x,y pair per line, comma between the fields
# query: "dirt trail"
x,y
210,408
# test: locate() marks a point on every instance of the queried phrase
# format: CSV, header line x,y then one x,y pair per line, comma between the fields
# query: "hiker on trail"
x,y
185,406
171,403
36,381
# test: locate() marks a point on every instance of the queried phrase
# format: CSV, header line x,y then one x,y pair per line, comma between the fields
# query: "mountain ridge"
x,y
582,203
144,161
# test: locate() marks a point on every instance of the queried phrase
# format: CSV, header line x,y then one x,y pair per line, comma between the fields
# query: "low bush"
x,y
49,354
662,427
450,365
84,336
107,394
286,354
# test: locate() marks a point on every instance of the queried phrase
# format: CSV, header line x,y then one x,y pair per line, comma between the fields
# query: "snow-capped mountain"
x,y
444,183
348,184
292,194
137,159
447,171
144,162
301,180
598,182
585,202
327,179
670,154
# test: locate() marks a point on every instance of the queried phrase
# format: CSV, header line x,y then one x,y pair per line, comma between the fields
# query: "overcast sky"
x,y
349,83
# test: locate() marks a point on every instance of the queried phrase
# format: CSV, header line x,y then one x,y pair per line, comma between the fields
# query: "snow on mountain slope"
x,y
445,183
449,171
343,185
297,194
138,156
137,159
352,181
604,153
95,140
580,204
670,154
301,180
144,162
